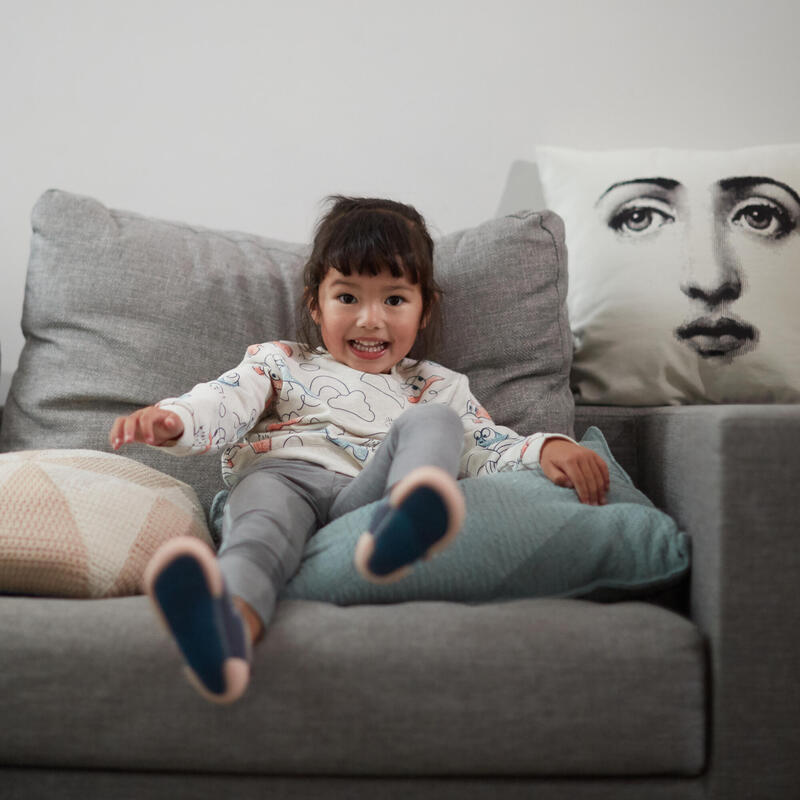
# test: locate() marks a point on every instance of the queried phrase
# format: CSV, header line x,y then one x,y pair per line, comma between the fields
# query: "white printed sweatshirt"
x,y
281,403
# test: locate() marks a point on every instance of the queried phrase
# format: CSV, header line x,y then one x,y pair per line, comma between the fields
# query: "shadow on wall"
x,y
523,189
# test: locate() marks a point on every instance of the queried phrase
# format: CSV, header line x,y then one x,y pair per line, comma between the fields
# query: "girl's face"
x,y
367,322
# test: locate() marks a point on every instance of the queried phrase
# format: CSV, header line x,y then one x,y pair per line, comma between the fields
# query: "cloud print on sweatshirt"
x,y
336,394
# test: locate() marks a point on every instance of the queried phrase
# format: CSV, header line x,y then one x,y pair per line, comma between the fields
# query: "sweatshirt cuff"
x,y
184,445
533,449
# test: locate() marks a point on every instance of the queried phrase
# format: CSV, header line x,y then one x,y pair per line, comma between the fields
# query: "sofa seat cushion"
x,y
521,688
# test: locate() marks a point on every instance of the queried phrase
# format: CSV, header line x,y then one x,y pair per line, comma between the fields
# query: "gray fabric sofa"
x,y
540,697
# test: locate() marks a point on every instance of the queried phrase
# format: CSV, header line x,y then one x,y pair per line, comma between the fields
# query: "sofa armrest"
x,y
729,475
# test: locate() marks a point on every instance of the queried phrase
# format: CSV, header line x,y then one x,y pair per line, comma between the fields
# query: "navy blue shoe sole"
x,y
423,514
187,589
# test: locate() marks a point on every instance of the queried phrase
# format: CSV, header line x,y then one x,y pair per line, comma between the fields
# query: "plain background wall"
x,y
243,114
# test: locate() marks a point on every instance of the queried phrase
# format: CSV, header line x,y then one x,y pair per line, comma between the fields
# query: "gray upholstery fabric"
x,y
82,784
620,427
524,688
122,310
728,474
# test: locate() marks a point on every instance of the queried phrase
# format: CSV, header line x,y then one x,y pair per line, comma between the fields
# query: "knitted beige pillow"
x,y
81,523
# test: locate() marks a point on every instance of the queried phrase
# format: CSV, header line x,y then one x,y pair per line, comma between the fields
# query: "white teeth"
x,y
370,347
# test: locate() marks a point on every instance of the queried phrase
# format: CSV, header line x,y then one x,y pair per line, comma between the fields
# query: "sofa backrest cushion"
x,y
122,310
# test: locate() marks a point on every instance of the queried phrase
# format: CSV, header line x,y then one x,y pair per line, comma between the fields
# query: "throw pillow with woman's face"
x,y
684,273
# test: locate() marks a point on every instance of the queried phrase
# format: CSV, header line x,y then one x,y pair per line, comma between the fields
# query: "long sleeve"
x,y
218,413
489,447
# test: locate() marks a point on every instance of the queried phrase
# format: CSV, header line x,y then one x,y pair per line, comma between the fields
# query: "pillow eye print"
x,y
695,252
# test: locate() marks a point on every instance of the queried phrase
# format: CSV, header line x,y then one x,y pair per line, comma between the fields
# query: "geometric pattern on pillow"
x,y
683,272
82,523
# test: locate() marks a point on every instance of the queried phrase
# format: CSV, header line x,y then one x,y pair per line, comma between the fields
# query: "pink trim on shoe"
x,y
237,670
237,679
181,546
447,488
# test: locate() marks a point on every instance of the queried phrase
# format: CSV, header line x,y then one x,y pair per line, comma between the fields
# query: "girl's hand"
x,y
151,425
575,467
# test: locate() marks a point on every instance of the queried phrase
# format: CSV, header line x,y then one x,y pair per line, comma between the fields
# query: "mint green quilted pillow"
x,y
523,537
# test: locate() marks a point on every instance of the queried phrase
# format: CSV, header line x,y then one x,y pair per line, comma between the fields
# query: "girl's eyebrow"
x,y
355,284
664,183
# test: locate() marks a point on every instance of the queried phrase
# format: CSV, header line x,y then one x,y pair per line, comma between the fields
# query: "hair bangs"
x,y
369,242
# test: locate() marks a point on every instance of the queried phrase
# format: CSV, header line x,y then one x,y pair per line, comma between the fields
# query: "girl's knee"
x,y
433,417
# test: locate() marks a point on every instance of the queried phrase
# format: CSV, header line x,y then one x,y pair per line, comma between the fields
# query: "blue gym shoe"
x,y
187,589
422,515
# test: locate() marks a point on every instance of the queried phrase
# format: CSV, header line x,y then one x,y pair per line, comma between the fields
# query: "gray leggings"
x,y
275,508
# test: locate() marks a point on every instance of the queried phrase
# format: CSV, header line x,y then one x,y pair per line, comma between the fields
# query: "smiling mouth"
x,y
720,336
368,349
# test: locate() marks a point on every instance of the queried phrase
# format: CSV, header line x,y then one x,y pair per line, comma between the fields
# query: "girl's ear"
x,y
311,304
426,317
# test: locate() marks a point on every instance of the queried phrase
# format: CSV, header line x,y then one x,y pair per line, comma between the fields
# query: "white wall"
x,y
244,113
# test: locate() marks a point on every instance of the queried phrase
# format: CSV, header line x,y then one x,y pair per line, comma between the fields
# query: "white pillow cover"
x,y
684,272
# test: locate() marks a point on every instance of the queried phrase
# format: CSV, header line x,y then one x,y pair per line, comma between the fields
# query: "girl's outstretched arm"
x,y
150,425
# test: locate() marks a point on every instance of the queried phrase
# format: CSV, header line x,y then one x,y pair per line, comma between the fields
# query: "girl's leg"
x,y
423,436
216,607
415,470
268,518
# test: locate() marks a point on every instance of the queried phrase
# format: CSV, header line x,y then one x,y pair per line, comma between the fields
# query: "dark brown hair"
x,y
366,236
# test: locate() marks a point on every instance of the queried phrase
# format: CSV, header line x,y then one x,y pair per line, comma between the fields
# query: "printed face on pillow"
x,y
729,247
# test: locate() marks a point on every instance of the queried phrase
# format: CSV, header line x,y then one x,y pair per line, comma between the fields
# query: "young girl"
x,y
309,431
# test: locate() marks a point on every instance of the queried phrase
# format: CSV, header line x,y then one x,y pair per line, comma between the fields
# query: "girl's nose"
x,y
372,315
712,272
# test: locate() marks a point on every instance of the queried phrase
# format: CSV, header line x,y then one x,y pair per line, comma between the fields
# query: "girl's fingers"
x,y
603,478
560,478
600,482
591,486
579,468
130,428
171,427
146,428
164,427
588,493
136,426
606,475
115,434
150,425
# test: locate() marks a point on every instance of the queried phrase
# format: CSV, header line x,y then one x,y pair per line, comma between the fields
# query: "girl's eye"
x,y
395,300
762,217
638,219
345,298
